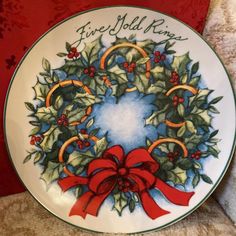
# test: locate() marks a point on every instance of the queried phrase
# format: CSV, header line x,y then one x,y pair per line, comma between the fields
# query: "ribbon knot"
x,y
134,172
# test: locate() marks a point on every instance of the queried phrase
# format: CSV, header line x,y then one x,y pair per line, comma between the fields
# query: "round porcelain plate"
x,y
120,119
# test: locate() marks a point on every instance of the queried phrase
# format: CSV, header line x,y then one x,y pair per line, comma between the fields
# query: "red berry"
x,y
156,60
86,143
126,64
175,98
176,154
163,57
130,69
70,55
174,73
63,116
91,74
181,100
157,53
32,142
60,121
198,152
86,71
193,155
133,64
175,103
175,83
38,139
73,49
83,131
127,183
79,142
170,155
172,80
92,69
65,123
76,54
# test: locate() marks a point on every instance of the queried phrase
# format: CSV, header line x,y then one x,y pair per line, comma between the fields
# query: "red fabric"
x,y
24,21
133,172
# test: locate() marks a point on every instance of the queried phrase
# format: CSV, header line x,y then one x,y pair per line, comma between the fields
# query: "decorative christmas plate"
x,y
120,119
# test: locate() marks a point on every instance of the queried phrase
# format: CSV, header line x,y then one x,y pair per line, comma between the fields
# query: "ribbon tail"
x,y
79,208
95,204
71,181
174,195
150,206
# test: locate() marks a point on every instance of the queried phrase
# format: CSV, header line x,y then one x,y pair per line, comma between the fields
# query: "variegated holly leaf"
x,y
177,176
180,63
46,65
120,202
76,114
158,87
118,89
41,91
100,146
148,45
118,75
192,141
80,158
46,114
51,172
91,50
86,99
157,117
58,102
141,82
50,137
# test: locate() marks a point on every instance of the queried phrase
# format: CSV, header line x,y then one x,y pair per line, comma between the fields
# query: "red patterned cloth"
x,y
24,21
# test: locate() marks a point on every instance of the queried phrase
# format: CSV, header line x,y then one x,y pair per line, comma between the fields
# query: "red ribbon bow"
x,y
133,172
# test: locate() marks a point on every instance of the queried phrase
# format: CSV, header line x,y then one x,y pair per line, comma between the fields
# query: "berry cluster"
x,y
36,139
83,143
123,185
174,79
177,100
129,67
90,71
63,120
196,155
158,57
172,155
73,53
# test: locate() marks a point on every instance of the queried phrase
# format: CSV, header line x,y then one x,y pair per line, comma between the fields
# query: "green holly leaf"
x,y
98,85
167,165
91,50
86,99
158,73
30,106
190,127
185,164
181,110
35,130
50,137
29,156
214,150
205,116
158,87
41,91
100,146
196,180
142,60
148,45
76,114
194,68
177,176
46,114
215,100
37,157
80,159
58,103
180,63
206,179
118,89
120,202
51,173
61,54
181,131
192,141
46,65
141,82
194,81
68,47
118,75
157,117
